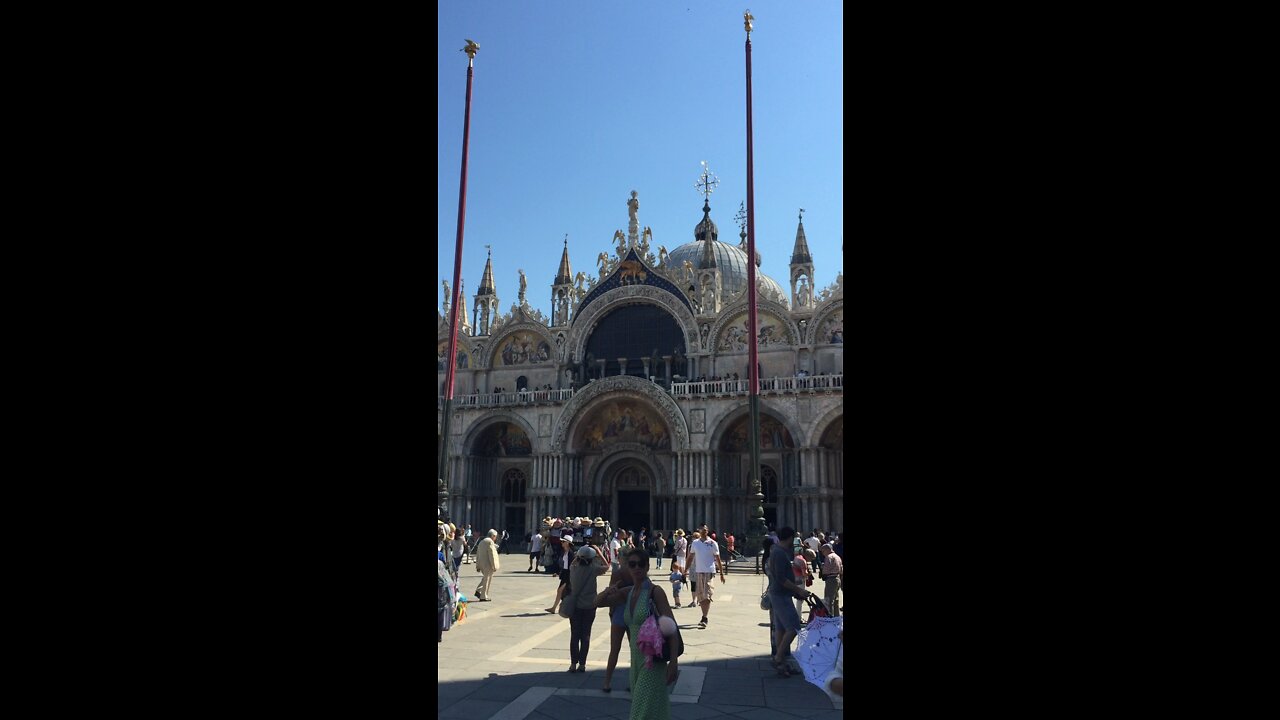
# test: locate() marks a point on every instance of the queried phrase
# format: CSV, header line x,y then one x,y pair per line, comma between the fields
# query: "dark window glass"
x,y
634,332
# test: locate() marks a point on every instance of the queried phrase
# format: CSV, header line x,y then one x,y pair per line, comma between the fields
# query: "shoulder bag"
x,y
666,641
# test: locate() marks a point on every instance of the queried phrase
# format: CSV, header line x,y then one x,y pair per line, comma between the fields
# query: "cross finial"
x,y
741,217
801,214
707,182
566,241
490,249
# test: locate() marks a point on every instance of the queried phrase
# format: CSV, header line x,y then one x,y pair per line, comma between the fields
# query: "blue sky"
x,y
577,103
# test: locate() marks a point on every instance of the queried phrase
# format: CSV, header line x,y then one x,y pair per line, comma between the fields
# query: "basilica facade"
x,y
631,401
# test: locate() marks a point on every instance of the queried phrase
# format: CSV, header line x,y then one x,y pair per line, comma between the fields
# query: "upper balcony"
x,y
808,385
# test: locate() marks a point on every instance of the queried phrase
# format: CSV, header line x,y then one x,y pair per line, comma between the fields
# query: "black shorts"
x,y
534,555
564,577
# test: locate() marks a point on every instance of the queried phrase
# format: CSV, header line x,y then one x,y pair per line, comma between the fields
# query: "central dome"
x,y
732,263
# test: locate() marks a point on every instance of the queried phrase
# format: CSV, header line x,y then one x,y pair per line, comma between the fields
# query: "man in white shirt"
x,y
704,558
813,543
535,551
615,545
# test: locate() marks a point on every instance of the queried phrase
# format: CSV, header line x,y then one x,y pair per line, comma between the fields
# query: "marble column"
x,y
622,366
601,363
644,362
666,359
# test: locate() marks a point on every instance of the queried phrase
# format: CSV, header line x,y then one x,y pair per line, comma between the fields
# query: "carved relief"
x,y
622,386
770,330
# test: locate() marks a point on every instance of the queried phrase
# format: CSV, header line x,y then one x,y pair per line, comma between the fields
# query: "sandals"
x,y
781,667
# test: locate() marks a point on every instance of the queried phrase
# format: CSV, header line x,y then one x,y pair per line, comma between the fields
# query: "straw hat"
x,y
678,533
598,523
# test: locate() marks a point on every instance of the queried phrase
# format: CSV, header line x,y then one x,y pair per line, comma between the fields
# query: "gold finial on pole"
x,y
470,50
747,17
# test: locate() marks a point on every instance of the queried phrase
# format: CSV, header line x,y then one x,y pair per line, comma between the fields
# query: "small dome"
x,y
730,261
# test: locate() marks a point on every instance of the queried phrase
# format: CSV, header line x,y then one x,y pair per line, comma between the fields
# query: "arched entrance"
x,y
513,502
632,484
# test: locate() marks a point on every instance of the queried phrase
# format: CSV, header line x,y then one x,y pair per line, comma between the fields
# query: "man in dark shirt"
x,y
782,591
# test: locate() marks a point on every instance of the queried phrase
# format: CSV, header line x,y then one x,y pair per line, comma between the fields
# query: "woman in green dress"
x,y
650,687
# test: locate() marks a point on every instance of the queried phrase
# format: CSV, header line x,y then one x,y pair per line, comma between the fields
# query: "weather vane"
x,y
707,182
741,217
747,17
470,50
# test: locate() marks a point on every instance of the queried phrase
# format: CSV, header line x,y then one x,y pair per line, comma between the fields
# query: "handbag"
x,y
666,641
566,610
765,603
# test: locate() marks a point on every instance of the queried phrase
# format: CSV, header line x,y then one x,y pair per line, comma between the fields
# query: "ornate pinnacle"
x,y
747,17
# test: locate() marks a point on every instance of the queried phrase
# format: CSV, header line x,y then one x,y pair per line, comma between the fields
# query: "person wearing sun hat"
x,y
566,559
679,555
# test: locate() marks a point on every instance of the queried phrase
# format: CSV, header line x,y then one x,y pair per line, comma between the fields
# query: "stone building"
x,y
629,429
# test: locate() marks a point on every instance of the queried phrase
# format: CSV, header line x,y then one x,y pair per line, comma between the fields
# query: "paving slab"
x,y
508,660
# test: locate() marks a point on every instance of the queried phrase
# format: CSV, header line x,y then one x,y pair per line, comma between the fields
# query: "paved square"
x,y
508,659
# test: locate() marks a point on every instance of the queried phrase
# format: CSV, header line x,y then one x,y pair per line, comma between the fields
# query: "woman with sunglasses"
x,y
650,687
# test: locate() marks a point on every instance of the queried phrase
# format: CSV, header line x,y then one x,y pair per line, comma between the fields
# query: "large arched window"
x,y
513,482
769,488
633,332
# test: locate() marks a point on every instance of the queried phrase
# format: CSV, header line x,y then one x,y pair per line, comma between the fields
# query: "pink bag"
x,y
649,641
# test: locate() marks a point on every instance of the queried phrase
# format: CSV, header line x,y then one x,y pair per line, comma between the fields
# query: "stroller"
x,y
817,608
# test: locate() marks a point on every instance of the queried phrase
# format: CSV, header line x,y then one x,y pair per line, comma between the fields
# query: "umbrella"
x,y
819,648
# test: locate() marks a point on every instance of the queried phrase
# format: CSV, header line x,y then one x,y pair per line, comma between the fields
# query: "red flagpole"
x,y
756,523
451,361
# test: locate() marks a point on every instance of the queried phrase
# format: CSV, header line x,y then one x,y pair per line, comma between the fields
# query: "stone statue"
x,y
622,243
633,207
580,278
803,294
604,263
524,284
644,240
662,256
688,270
447,296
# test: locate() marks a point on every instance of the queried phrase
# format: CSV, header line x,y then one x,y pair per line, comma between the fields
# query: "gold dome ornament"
x,y
747,17
470,49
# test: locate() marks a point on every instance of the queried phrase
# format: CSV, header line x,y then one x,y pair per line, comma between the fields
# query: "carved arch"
x,y
824,423
493,418
626,386
628,454
495,343
768,406
778,312
585,324
825,311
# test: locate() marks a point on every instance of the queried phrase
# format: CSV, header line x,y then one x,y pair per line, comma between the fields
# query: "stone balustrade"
x,y
768,386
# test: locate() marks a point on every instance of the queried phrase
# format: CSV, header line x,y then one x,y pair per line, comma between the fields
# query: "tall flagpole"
x,y
451,357
756,526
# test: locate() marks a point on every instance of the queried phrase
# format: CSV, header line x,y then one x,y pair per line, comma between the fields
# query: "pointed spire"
x,y
486,282
564,276
707,233
800,254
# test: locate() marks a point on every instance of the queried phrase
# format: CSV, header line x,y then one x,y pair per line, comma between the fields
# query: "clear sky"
x,y
576,103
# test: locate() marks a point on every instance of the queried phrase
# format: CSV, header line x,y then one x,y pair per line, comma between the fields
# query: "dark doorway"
x,y
633,510
518,533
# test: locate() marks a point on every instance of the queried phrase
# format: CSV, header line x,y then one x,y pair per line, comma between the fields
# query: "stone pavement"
x,y
508,659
